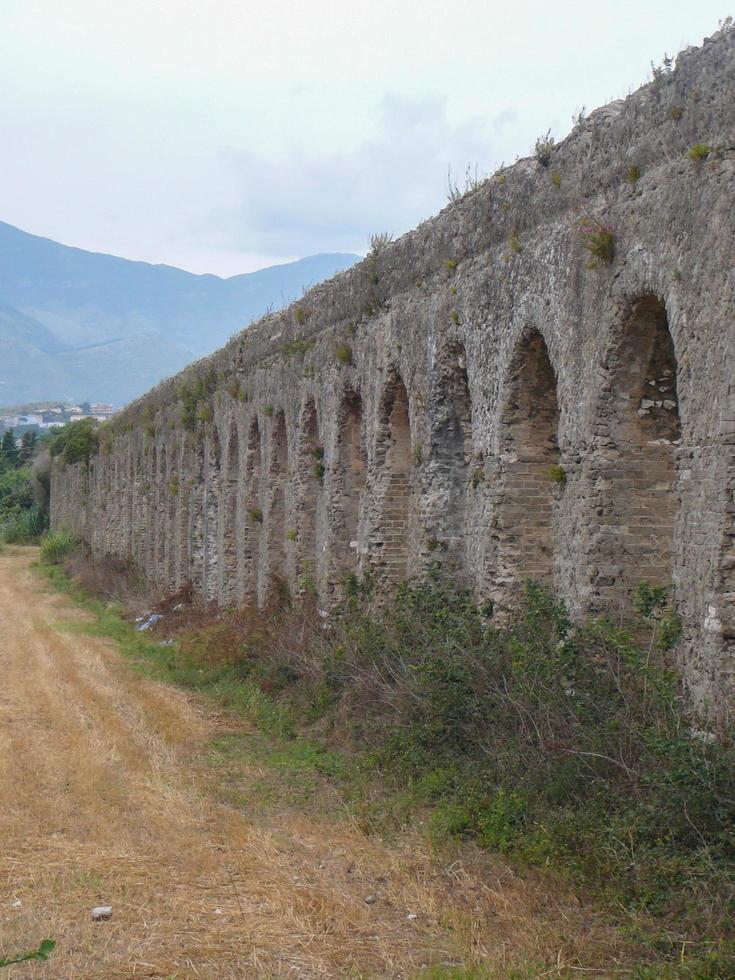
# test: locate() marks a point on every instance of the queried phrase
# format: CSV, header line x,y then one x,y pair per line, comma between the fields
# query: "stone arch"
x,y
151,533
311,474
197,521
349,484
395,463
140,502
161,514
531,477
451,455
635,493
184,499
253,512
276,516
171,494
230,515
129,478
210,532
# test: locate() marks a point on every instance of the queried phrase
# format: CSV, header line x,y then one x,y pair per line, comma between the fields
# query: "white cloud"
x,y
339,118
308,201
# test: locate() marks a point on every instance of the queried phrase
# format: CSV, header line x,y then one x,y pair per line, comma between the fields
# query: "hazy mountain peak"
x,y
144,321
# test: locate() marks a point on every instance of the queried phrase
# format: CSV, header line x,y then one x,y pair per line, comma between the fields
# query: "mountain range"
x,y
78,325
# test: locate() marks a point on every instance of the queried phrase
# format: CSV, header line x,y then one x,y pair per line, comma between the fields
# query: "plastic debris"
x,y
101,913
151,621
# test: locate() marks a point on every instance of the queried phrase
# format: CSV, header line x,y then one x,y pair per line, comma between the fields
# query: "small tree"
x,y
28,445
9,454
544,148
76,442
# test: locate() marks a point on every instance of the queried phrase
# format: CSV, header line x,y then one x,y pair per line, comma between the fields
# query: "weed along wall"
x,y
539,382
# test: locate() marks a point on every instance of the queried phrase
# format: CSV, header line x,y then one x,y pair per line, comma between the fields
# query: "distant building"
x,y
102,411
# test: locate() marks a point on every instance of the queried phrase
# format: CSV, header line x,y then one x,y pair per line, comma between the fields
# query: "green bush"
x,y
699,152
196,388
343,353
544,148
16,491
76,442
598,239
22,519
56,546
24,526
565,747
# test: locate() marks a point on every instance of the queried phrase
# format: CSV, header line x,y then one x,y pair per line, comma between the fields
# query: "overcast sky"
x,y
224,135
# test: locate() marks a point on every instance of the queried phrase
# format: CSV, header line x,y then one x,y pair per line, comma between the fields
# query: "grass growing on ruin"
x,y
566,749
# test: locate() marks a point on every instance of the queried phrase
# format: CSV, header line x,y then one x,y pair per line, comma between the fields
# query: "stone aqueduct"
x,y
480,394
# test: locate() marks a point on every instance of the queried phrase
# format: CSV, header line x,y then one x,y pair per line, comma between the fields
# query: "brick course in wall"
x,y
410,411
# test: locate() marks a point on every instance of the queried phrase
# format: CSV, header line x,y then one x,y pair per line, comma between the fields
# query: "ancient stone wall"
x,y
484,393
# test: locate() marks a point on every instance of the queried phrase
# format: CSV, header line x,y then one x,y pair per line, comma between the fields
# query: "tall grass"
x,y
566,747
24,526
56,546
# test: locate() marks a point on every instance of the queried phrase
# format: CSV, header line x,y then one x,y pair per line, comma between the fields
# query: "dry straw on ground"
x,y
108,798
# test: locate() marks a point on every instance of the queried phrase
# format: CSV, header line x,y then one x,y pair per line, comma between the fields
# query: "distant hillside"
x,y
82,325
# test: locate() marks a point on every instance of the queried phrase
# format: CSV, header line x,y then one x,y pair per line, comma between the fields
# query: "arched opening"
x,y
277,480
636,500
396,510
532,477
140,508
197,501
172,493
311,475
162,531
184,497
451,454
211,515
129,478
349,485
150,516
253,516
230,487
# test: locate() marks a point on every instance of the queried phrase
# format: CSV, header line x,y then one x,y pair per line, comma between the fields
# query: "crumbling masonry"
x,y
483,393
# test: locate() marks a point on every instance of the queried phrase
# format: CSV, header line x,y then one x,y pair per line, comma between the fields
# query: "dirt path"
x,y
104,800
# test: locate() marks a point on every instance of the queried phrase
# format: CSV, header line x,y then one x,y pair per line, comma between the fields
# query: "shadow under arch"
x,y
210,513
451,449
311,472
276,529
348,485
161,516
230,514
253,512
635,488
172,494
530,478
395,462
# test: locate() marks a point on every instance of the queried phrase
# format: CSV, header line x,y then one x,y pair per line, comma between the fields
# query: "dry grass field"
x,y
108,796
